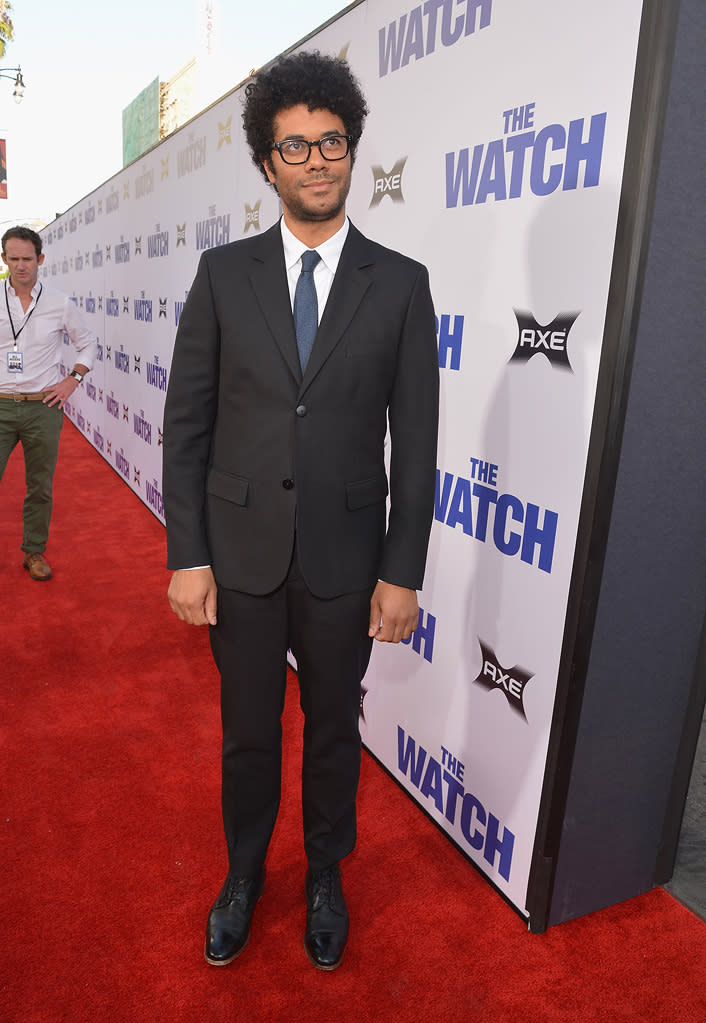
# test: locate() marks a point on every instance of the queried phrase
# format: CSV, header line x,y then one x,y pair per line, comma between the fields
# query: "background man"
x,y
33,319
274,476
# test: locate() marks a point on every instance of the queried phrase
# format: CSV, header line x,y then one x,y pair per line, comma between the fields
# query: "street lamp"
x,y
17,78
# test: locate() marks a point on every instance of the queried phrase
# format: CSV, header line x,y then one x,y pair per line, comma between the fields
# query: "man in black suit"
x,y
288,365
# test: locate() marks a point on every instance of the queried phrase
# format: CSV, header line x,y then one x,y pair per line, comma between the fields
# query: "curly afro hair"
x,y
317,81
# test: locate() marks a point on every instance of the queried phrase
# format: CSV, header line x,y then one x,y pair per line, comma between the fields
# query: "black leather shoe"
x,y
228,927
326,918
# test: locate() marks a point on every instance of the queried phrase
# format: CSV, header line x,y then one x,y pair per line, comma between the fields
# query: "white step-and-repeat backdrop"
x,y
493,153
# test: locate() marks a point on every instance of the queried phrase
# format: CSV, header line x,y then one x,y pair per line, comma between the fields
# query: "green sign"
x,y
141,123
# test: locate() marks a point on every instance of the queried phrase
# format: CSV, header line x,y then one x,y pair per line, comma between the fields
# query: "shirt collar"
x,y
34,292
330,250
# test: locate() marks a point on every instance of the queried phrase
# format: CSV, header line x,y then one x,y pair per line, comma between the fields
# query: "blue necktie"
x,y
306,309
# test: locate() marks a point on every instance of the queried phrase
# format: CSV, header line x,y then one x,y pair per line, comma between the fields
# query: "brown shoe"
x,y
37,567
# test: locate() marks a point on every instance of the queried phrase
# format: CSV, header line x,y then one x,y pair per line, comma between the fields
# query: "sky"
x,y
83,61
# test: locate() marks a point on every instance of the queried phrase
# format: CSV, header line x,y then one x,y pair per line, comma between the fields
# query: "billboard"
x,y
141,123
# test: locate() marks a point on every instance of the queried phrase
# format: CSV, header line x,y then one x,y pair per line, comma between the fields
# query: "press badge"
x,y
14,362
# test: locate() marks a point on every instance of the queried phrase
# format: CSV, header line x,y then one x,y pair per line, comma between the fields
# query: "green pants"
x,y
37,427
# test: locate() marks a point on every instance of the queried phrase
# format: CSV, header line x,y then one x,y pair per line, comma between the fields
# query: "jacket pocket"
x,y
229,487
365,492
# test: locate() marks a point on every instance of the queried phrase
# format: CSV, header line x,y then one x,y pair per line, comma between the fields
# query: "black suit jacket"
x,y
250,446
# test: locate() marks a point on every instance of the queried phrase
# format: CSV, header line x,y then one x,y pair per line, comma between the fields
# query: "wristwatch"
x,y
76,375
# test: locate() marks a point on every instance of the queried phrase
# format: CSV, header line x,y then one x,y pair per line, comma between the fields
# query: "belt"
x,y
24,397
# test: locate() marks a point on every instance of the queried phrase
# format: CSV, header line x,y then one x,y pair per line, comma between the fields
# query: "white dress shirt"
x,y
325,269
40,337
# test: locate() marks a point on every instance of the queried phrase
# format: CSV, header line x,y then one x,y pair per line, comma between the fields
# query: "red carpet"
x,y
111,848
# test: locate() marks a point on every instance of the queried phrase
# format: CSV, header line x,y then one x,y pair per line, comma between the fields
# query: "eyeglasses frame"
x,y
317,143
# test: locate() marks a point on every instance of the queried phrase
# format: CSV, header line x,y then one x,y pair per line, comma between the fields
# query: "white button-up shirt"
x,y
40,337
325,269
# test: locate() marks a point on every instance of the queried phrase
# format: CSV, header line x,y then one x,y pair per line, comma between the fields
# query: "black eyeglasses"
x,y
331,147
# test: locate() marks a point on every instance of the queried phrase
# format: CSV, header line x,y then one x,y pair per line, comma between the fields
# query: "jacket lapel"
x,y
268,276
351,282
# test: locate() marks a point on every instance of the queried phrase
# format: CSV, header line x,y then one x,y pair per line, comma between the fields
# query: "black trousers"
x,y
329,639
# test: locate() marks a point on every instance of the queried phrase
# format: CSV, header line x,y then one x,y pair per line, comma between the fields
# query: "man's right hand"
x,y
192,595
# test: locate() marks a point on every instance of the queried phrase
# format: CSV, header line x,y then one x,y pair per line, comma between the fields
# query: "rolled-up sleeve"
x,y
84,340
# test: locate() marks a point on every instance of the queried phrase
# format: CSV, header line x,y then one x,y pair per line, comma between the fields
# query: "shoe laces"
x,y
236,890
323,889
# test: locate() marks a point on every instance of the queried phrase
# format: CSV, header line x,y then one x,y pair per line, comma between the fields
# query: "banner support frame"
x,y
655,53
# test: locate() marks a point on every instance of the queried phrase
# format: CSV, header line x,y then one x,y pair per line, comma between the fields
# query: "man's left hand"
x,y
394,613
60,392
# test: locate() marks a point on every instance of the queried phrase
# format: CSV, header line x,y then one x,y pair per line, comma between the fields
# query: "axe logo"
x,y
388,184
510,681
252,216
363,694
224,132
550,340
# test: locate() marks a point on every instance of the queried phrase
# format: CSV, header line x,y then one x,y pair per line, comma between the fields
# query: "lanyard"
x,y
16,334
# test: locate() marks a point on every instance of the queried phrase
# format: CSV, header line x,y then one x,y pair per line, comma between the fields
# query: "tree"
x,y
6,27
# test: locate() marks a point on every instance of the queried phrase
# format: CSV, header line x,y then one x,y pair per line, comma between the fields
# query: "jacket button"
x,y
288,484
301,410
